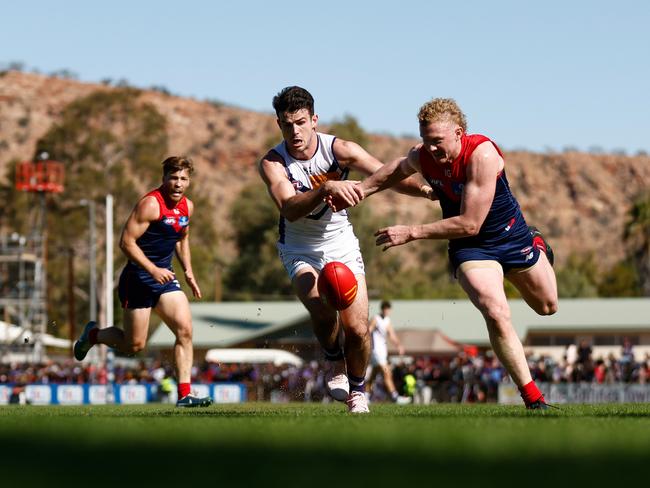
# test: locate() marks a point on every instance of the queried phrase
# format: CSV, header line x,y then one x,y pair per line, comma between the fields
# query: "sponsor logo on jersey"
x,y
298,186
526,250
509,226
170,220
183,221
457,188
176,211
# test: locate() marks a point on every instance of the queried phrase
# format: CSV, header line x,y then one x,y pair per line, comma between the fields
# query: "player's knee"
x,y
184,333
135,346
547,307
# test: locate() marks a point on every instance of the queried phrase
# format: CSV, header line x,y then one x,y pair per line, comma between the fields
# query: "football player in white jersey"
x,y
381,329
302,173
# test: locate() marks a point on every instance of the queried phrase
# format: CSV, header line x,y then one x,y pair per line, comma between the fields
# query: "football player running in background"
x,y
381,329
300,173
157,227
488,236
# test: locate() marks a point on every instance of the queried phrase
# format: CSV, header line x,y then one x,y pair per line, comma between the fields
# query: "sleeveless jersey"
x,y
504,219
159,240
321,224
380,333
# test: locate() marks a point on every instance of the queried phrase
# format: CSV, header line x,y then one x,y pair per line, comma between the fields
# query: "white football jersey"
x,y
321,224
380,333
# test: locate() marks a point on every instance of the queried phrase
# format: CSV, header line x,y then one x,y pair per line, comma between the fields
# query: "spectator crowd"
x,y
462,378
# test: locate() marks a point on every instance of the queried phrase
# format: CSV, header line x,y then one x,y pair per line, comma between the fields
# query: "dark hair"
x,y
291,99
385,304
177,163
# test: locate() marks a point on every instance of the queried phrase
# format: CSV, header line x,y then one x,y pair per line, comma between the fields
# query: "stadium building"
x,y
426,327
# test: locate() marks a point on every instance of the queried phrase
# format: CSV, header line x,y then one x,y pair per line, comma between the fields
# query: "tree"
x,y
636,236
257,271
350,130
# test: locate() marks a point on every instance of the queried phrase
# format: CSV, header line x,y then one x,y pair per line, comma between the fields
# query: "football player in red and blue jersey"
x,y
489,238
157,228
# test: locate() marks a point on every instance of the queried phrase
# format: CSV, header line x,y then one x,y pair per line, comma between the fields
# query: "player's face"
x,y
442,140
175,184
298,129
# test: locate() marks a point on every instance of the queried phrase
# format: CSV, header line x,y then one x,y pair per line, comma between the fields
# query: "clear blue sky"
x,y
532,75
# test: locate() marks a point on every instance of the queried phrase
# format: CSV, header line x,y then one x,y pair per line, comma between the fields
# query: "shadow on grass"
x,y
50,462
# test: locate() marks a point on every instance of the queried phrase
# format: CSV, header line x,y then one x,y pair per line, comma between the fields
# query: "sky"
x,y
541,76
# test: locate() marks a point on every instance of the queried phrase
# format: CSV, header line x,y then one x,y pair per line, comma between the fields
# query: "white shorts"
x,y
344,248
379,357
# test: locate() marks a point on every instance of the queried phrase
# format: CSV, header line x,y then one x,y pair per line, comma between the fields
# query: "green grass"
x,y
321,445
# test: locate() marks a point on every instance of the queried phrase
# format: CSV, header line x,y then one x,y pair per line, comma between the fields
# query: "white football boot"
x,y
336,381
357,402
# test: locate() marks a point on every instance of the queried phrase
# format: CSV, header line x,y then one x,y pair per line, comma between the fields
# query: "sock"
x,y
530,393
394,395
183,389
92,335
334,354
357,383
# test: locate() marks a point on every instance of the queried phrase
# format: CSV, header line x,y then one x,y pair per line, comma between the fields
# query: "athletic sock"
x,y
183,390
92,335
334,354
357,383
530,393
394,396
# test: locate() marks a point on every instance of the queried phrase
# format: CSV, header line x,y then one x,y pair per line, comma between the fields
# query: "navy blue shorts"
x,y
516,253
137,289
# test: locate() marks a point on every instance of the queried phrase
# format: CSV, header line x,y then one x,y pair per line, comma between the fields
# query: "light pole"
x,y
92,256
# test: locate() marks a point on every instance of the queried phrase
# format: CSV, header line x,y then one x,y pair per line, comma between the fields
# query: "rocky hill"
x,y
580,200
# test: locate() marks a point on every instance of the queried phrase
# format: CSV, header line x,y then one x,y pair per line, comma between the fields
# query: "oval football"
x,y
337,285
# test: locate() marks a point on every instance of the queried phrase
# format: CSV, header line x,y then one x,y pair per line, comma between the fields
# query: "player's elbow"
x,y
471,228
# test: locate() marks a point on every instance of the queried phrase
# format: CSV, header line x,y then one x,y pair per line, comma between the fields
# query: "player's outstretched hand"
x,y
163,275
393,236
194,285
342,194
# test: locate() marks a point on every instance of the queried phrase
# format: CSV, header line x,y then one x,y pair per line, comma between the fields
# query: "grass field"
x,y
321,445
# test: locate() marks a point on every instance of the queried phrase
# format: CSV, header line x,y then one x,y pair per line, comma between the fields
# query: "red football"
x,y
337,285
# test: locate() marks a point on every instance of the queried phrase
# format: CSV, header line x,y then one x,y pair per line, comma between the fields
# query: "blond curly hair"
x,y
442,109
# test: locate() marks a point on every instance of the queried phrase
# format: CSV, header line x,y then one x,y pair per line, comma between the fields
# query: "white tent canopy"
x,y
275,356
12,333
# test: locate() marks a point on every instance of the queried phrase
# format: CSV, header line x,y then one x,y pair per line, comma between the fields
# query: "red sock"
x,y
183,389
530,393
92,335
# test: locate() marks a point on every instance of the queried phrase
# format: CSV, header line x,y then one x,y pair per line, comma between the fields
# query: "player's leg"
x,y
326,328
483,283
387,373
128,341
174,309
354,321
537,285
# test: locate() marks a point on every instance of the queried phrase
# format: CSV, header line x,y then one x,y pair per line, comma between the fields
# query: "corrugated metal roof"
x,y
224,324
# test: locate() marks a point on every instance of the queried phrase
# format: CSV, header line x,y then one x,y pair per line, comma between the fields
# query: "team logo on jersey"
x,y
318,180
529,256
176,211
170,220
183,221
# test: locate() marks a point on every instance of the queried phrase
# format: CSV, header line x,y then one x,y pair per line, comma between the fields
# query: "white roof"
x,y
275,356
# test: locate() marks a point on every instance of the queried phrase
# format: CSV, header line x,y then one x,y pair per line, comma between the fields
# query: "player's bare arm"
x,y
394,339
372,325
145,212
185,257
353,156
478,193
392,173
294,205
